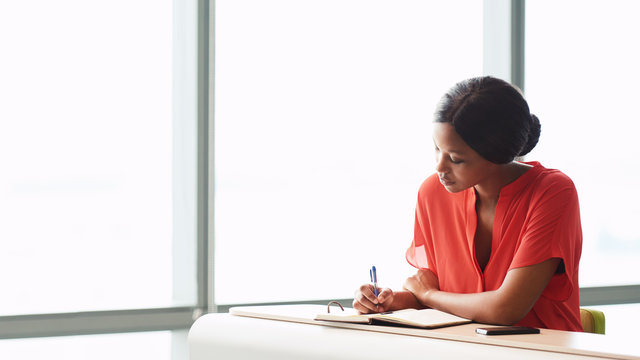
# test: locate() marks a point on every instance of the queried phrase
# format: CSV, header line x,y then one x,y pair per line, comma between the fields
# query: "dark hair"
x,y
492,117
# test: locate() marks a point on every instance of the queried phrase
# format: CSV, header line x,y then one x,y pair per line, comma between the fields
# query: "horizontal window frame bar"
x,y
97,322
610,295
600,295
166,319
225,308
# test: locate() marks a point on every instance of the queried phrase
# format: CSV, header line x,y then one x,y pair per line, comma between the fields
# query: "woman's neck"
x,y
489,190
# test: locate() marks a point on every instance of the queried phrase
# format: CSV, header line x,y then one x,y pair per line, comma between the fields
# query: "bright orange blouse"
x,y
537,218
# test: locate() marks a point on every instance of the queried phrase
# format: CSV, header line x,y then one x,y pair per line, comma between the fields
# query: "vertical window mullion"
x,y
503,40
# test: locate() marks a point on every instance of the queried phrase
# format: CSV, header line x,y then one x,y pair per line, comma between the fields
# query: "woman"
x,y
496,240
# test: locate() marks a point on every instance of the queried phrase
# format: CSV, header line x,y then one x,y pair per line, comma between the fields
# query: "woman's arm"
x,y
507,305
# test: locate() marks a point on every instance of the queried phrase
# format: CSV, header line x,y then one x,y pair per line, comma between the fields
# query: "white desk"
x,y
226,336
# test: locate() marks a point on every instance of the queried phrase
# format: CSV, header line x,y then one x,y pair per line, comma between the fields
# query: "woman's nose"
x,y
440,164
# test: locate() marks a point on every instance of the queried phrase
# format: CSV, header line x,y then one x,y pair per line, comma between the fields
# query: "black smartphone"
x,y
507,330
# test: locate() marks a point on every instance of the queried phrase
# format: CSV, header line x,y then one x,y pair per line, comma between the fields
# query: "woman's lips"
x,y
446,182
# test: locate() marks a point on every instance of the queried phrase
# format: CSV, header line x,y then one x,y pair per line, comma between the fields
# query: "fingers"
x,y
364,300
427,279
385,295
421,285
385,300
412,284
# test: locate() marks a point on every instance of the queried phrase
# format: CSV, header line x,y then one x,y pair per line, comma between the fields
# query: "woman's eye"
x,y
456,161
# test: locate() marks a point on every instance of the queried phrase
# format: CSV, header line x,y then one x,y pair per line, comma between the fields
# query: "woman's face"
x,y
458,166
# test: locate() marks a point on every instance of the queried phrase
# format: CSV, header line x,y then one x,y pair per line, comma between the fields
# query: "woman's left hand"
x,y
421,284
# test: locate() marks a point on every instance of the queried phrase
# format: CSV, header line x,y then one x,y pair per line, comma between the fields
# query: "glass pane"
x,y
620,320
322,137
159,345
581,79
88,143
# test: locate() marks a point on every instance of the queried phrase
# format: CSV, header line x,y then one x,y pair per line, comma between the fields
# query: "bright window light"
x,y
88,128
322,113
581,80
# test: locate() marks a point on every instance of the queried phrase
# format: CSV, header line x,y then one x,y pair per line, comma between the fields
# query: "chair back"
x,y
592,320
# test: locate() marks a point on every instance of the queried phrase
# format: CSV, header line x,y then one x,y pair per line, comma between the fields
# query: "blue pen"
x,y
374,279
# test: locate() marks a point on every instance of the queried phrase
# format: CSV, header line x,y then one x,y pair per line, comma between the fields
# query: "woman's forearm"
x,y
507,305
480,307
404,300
485,307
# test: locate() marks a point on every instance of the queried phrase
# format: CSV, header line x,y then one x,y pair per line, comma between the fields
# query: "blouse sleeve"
x,y
417,253
420,253
553,231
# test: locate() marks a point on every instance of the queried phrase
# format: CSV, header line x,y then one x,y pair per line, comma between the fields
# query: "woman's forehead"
x,y
446,137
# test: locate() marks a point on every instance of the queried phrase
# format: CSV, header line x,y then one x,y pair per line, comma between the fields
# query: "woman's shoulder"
x,y
551,183
549,177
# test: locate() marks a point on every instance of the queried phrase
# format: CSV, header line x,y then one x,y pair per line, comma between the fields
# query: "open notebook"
x,y
424,318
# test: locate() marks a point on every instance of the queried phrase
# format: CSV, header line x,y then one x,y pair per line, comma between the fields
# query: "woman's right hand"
x,y
366,302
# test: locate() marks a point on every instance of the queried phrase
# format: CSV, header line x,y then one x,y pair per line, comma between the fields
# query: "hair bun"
x,y
534,136
492,117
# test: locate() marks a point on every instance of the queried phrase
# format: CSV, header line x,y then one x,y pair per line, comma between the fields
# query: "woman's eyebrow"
x,y
453,151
